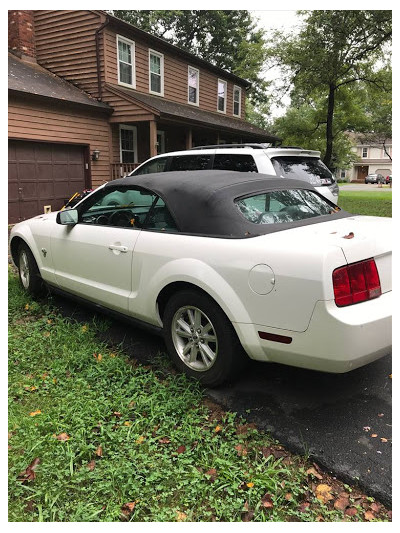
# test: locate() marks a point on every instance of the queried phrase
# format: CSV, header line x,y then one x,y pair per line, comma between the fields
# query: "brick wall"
x,y
21,34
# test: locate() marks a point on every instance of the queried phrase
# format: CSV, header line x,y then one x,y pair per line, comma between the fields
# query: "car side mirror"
x,y
68,217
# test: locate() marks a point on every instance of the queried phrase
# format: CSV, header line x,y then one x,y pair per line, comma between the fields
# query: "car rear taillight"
x,y
356,283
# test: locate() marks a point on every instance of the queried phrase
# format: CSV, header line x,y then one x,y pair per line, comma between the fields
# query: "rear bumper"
x,y
336,340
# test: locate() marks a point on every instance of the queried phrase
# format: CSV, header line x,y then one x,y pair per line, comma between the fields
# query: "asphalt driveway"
x,y
338,419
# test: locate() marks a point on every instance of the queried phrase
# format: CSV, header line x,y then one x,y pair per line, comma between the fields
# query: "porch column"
x,y
153,138
189,139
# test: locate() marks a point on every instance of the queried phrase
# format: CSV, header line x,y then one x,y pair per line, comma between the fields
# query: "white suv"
x,y
283,161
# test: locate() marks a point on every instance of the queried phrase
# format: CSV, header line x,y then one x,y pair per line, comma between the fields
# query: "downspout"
x,y
97,39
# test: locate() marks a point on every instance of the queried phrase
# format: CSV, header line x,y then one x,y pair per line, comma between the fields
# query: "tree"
x,y
227,39
334,50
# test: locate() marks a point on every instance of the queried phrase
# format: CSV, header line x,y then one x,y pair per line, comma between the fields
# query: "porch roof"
x,y
174,110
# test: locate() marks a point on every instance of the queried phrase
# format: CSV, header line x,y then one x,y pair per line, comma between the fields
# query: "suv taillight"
x,y
356,283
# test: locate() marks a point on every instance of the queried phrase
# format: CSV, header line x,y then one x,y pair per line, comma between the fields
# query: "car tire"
x,y
28,271
201,340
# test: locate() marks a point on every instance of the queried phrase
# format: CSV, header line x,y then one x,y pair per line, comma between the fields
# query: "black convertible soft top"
x,y
202,201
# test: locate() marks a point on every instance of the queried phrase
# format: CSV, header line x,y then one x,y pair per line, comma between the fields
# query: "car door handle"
x,y
123,249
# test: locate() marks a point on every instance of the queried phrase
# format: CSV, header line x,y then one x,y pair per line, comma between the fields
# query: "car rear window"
x,y
277,207
309,169
237,162
190,162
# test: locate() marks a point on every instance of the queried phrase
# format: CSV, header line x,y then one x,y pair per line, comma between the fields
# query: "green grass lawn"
x,y
95,436
367,202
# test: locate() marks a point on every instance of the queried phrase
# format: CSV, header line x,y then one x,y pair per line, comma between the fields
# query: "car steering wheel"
x,y
121,218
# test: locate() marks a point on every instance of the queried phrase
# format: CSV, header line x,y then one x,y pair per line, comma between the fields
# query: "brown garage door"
x,y
43,174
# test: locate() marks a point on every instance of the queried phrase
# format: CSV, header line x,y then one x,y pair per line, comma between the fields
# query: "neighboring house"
x,y
373,158
91,97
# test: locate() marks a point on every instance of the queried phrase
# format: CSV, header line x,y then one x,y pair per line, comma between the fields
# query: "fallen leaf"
x,y
341,503
323,493
266,501
62,437
212,473
369,515
288,496
164,440
127,423
375,507
383,439
303,507
381,415
366,428
351,511
29,473
90,466
180,517
248,514
250,484
349,236
127,509
140,439
34,413
313,472
241,450
181,449
374,435
218,429
99,451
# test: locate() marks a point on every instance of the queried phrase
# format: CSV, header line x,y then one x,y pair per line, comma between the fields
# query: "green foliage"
x,y
333,52
119,441
228,39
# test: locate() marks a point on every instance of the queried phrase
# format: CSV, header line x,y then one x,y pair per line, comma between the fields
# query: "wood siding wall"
x,y
175,75
36,122
65,44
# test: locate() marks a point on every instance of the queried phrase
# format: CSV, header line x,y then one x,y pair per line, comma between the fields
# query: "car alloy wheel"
x,y
28,271
194,338
24,270
200,338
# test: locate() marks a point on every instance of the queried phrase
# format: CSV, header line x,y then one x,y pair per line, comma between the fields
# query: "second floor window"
x,y
237,97
193,86
221,105
156,72
126,61
365,152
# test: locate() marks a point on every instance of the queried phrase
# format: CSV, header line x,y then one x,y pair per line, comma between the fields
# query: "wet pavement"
x,y
330,417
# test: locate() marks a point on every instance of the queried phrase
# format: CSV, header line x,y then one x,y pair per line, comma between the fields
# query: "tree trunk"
x,y
329,127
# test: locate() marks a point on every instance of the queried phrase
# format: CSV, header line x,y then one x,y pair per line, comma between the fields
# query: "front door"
x,y
362,173
93,258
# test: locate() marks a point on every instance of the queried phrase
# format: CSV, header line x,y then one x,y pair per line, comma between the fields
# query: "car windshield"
x,y
309,169
277,207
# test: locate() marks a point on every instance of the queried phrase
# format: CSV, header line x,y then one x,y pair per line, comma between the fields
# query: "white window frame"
x,y
161,56
134,129
133,66
239,89
225,97
366,152
197,86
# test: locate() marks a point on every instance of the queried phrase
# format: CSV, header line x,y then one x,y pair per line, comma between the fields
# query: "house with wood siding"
x,y
91,97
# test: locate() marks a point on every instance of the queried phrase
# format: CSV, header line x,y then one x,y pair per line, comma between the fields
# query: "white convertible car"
x,y
227,265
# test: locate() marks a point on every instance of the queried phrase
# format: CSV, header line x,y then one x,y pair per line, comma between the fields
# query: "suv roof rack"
x,y
255,146
258,146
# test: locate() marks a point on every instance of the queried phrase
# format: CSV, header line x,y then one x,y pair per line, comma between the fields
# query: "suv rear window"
x,y
309,169
190,162
238,162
